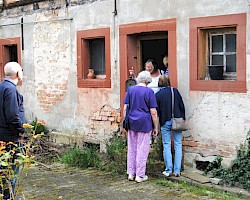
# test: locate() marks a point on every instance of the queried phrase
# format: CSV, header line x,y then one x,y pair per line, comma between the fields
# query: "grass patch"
x,y
198,191
82,158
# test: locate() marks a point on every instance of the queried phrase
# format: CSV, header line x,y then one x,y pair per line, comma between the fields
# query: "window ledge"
x,y
229,76
94,83
218,85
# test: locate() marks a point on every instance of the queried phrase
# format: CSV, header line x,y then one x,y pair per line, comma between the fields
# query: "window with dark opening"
x,y
97,56
11,53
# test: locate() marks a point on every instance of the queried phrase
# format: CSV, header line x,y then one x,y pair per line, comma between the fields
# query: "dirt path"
x,y
72,184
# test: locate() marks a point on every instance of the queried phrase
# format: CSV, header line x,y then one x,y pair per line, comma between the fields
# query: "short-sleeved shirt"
x,y
140,100
154,84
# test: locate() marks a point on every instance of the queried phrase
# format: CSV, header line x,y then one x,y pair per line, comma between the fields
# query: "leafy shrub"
x,y
83,158
39,126
13,156
116,154
239,173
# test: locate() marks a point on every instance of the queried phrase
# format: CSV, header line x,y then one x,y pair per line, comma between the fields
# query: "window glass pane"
x,y
11,53
231,63
217,60
217,43
231,43
97,55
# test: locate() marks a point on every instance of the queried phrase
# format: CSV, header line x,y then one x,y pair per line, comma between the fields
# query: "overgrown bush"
x,y
13,156
239,172
115,158
82,158
116,154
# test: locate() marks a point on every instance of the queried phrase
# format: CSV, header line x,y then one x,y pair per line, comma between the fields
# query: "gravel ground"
x,y
59,183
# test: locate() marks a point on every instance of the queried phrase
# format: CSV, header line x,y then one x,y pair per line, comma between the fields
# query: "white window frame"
x,y
227,75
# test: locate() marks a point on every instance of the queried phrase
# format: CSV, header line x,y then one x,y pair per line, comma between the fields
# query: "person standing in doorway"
x,y
143,122
152,68
165,63
12,115
164,109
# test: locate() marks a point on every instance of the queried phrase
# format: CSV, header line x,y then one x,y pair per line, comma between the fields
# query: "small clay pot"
x,y
91,74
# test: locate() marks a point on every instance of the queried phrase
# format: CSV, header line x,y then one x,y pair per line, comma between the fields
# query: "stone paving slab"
x,y
197,177
59,183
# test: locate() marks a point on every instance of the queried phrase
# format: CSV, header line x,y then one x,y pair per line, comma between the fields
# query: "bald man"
x,y
12,115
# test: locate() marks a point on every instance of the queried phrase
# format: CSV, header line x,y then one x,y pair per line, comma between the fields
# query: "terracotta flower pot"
x,y
91,74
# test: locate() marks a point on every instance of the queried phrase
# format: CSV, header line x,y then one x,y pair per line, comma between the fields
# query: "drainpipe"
x,y
115,9
22,34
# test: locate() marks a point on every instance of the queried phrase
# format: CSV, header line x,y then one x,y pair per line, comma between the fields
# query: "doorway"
x,y
154,49
141,40
9,51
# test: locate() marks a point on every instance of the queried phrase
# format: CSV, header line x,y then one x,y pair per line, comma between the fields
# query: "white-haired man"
x,y
12,115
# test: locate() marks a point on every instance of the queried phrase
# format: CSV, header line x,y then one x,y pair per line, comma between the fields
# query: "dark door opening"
x,y
9,54
154,49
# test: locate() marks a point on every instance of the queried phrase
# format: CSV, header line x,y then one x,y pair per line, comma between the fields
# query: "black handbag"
x,y
125,122
178,124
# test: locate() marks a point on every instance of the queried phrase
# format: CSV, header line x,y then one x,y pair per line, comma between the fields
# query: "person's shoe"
x,y
166,174
177,175
131,177
139,179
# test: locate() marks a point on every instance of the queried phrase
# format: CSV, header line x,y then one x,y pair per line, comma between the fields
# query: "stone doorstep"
x,y
189,176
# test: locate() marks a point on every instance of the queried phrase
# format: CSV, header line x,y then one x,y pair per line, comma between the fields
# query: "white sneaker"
x,y
139,179
131,177
166,174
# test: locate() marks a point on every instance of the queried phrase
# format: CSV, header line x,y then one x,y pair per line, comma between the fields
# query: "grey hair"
x,y
144,77
11,68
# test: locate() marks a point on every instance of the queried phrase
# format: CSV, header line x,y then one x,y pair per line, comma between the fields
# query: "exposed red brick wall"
x,y
208,149
51,94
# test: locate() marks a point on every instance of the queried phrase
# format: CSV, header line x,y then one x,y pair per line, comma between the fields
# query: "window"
x,y
219,43
93,51
9,51
97,56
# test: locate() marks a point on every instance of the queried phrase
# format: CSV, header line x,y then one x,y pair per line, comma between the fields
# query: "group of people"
x,y
150,106
149,103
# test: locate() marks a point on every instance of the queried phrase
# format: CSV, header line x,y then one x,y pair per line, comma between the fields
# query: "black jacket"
x,y
11,112
164,101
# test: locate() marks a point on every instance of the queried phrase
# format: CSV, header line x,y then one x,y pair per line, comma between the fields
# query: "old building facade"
x,y
58,41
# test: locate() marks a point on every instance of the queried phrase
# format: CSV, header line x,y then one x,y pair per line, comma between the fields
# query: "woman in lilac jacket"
x,y
142,117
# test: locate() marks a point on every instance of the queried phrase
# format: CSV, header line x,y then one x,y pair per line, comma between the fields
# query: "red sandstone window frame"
x,y
4,58
83,60
196,25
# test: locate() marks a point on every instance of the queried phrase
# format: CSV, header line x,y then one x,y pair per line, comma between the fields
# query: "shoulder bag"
x,y
178,124
125,122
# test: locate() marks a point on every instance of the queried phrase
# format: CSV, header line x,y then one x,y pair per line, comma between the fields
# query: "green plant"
x,y
38,126
155,161
12,156
239,172
83,158
197,192
116,154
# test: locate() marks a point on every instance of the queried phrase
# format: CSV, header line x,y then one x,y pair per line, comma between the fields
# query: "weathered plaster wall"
x,y
218,120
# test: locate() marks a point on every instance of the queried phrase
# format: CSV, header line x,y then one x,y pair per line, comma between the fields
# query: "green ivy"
x,y
239,172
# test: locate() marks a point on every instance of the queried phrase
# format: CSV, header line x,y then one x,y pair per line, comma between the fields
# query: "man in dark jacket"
x,y
12,115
